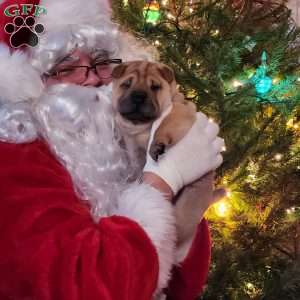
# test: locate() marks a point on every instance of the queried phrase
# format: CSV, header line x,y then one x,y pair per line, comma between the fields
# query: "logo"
x,y
23,29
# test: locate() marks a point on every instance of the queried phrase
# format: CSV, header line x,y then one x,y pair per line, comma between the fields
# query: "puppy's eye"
x,y
155,87
126,84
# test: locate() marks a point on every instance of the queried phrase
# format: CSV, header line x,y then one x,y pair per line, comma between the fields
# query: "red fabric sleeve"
x,y
50,248
189,279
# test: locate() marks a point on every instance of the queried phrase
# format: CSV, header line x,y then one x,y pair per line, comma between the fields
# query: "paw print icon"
x,y
24,32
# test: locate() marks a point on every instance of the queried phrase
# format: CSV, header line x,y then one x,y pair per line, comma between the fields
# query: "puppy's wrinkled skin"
x,y
142,91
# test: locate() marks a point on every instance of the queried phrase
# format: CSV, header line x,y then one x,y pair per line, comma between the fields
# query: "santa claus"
x,y
72,226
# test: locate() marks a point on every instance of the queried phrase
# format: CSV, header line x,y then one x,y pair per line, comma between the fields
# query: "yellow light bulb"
x,y
250,285
290,123
228,193
237,83
278,156
222,208
216,32
170,16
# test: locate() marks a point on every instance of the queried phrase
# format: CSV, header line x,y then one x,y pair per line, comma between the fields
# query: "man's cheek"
x,y
105,73
106,81
51,81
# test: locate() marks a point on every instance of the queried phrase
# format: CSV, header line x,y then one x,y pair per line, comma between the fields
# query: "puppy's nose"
x,y
138,97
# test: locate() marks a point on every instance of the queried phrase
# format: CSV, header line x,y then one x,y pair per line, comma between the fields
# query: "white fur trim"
x,y
147,206
65,12
19,81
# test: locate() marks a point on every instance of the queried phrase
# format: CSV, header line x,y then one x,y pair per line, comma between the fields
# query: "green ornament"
x,y
151,12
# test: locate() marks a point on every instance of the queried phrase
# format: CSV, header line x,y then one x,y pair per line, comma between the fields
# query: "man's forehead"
x,y
92,54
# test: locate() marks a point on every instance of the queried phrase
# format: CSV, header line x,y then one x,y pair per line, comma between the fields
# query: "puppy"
x,y
142,91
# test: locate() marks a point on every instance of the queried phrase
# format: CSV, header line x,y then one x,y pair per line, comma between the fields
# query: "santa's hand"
x,y
192,157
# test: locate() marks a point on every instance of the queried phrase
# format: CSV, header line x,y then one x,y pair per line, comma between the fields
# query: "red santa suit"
x,y
51,245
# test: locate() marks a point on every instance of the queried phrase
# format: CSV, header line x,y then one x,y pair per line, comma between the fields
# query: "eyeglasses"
x,y
79,74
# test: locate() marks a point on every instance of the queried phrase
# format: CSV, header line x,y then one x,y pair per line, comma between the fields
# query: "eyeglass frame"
x,y
88,68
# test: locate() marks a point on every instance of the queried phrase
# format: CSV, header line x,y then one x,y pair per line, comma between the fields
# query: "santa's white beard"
x,y
78,124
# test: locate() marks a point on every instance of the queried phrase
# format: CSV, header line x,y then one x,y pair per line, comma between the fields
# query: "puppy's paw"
x,y
156,150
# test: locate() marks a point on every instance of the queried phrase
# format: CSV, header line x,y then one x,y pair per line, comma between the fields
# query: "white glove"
x,y
191,158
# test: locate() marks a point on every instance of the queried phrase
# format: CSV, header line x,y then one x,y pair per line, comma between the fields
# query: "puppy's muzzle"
x,y
137,107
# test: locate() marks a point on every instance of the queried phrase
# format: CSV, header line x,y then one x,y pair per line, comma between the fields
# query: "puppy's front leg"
x,y
174,127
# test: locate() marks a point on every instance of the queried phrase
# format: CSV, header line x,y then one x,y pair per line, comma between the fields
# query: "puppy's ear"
x,y
167,73
118,71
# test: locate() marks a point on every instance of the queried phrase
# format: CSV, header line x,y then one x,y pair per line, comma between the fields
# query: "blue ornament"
x,y
263,83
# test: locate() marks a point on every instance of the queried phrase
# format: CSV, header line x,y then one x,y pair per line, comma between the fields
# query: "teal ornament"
x,y
262,82
263,85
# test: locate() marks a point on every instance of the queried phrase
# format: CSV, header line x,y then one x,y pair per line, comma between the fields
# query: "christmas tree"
x,y
238,61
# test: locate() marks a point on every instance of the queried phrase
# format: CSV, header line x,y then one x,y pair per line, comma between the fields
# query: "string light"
x,y
250,285
228,193
216,32
170,16
237,83
291,210
151,12
157,43
211,120
164,2
275,80
278,157
251,74
290,123
221,208
223,149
